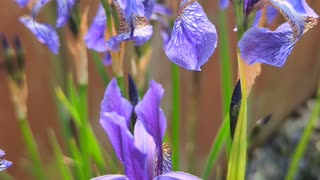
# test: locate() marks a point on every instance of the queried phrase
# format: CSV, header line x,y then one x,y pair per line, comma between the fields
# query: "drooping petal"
x,y
111,177
266,46
302,7
146,144
95,38
64,10
114,102
142,30
114,42
194,37
45,33
22,3
132,158
224,4
4,164
176,176
148,7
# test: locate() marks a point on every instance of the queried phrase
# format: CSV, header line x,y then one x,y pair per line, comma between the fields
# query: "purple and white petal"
x,y
95,38
22,3
142,30
265,46
302,7
122,140
45,33
4,164
64,8
194,37
113,43
176,176
111,177
114,102
146,144
148,7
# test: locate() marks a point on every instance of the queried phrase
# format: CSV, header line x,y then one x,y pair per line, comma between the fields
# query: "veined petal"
x,y
148,7
114,102
224,4
64,9
142,30
95,38
22,3
194,37
132,158
176,176
111,177
266,46
146,144
302,7
45,33
114,42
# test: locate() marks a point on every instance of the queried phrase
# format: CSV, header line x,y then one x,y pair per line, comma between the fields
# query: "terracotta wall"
x,y
277,90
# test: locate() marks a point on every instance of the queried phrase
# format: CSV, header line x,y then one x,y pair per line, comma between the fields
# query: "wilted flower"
x,y
194,37
273,47
4,164
141,151
46,33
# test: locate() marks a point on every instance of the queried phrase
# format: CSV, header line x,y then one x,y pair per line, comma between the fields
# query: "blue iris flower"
x,y
194,37
46,33
273,47
143,153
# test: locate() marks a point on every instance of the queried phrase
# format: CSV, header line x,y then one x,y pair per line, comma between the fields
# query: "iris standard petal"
x,y
146,144
176,176
149,112
266,46
95,38
64,10
45,33
22,3
111,177
224,4
132,158
114,102
194,37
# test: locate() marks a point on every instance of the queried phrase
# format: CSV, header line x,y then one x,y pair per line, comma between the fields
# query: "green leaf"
x,y
100,67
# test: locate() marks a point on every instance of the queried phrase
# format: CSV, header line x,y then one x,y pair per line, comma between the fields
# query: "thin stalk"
x,y
226,71
301,148
120,81
175,117
216,147
100,67
32,148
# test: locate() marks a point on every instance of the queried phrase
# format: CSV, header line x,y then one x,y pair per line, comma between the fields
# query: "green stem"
x,y
216,147
100,67
120,81
32,148
303,144
175,117
226,71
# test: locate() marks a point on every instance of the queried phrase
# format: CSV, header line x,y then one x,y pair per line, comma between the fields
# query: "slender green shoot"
x,y
100,67
305,139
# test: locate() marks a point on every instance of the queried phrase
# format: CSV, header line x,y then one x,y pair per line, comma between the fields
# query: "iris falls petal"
x,y
45,33
95,38
64,10
194,37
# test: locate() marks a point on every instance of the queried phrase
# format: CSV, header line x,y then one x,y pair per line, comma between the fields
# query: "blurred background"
x,y
277,91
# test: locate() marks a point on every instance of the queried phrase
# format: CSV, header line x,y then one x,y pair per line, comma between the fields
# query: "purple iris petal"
x,y
176,176
111,177
132,158
194,37
266,46
4,164
37,7
162,10
114,102
64,9
107,59
95,38
149,112
271,14
302,7
148,7
114,42
224,4
142,31
45,33
22,3
146,144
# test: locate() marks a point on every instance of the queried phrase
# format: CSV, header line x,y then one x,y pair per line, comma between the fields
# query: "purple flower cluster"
x,y
141,150
4,164
46,33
